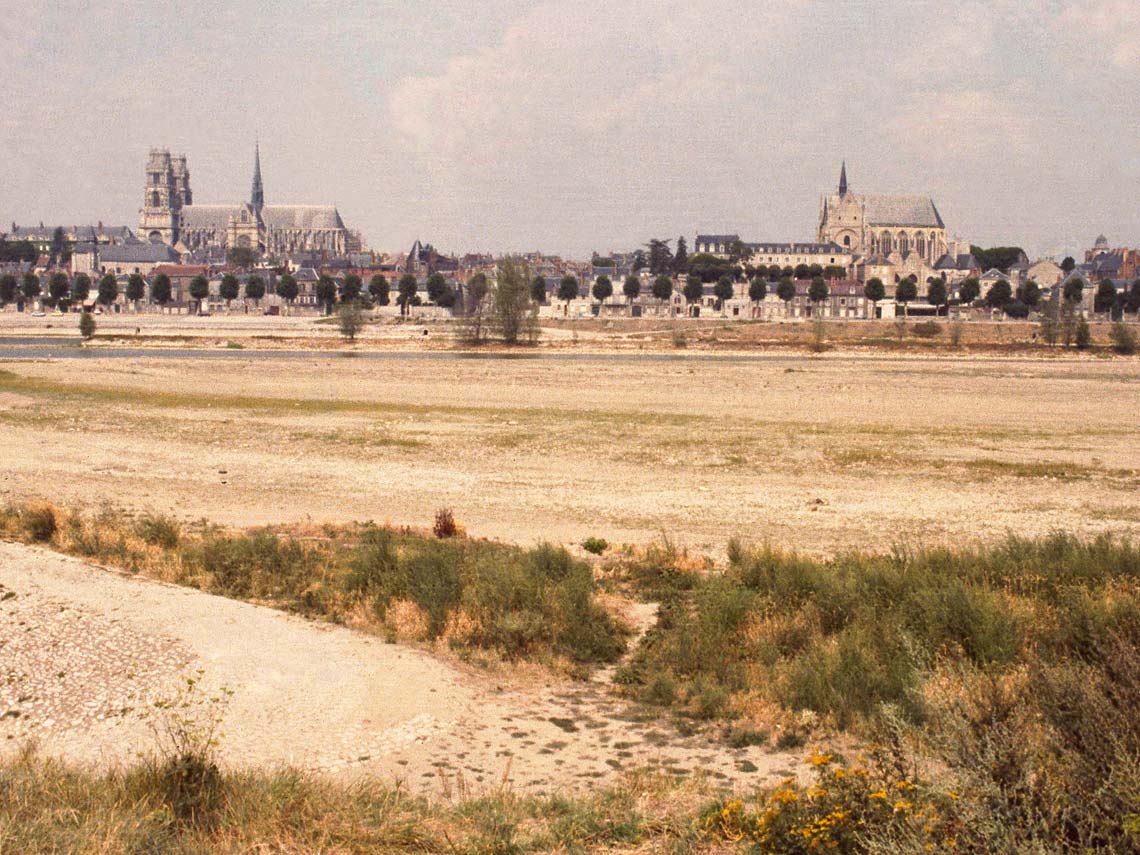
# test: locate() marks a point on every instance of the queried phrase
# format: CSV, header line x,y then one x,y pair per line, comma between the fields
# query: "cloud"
x,y
1108,28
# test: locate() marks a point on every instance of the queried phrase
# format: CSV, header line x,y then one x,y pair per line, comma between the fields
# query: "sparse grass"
x,y
46,806
536,604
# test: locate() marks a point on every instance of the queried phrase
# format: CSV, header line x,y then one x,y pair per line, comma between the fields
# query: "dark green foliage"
x,y
160,291
1016,310
723,290
158,530
190,786
999,295
603,288
927,329
631,287
136,288
1000,257
595,545
937,293
229,288
351,288
1105,298
709,267
694,289
568,288
30,286
818,290
969,291
259,565
786,289
407,289
8,286
378,288
662,288
200,288
1029,293
17,250
757,290
874,290
86,325
1074,289
254,288
58,287
538,289
39,523
108,290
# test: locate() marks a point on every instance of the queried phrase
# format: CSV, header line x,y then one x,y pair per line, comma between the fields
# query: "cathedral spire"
x,y
843,179
257,194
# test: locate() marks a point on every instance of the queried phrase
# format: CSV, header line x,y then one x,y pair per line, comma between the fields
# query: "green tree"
x,y
288,289
1132,300
436,287
255,289
538,289
30,286
723,291
160,290
511,303
969,291
350,319
229,289
786,291
86,325
80,288
874,291
640,262
1068,265
802,271
1029,293
199,291
350,288
568,288
60,248
757,289
662,288
906,292
694,288
999,294
476,293
241,257
407,289
631,288
603,288
1074,289
58,288
1000,257
8,286
326,292
136,288
1105,298
681,257
818,291
378,288
108,290
660,257
937,294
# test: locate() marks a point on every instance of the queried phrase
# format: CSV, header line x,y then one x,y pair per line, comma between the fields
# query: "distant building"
x,y
894,227
169,216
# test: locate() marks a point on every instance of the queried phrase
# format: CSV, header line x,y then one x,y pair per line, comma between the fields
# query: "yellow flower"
x,y
879,794
902,805
818,759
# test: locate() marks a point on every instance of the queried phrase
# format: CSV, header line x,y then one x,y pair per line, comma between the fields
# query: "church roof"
x,y
302,217
134,253
906,211
208,216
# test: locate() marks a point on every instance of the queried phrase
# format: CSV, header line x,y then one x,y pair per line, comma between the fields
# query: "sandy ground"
x,y
817,453
87,652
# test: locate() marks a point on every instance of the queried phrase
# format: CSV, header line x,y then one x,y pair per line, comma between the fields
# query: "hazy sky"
x,y
573,125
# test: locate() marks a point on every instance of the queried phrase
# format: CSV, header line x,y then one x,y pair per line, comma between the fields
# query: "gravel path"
x,y
85,652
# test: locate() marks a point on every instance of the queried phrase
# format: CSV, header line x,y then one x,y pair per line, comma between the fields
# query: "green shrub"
x,y
1123,338
927,329
1083,334
595,545
158,530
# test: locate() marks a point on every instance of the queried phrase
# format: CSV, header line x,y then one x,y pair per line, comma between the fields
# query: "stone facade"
x,y
169,216
894,227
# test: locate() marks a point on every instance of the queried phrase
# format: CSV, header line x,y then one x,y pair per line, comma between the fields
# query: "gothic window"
x,y
920,245
154,199
847,240
904,243
886,246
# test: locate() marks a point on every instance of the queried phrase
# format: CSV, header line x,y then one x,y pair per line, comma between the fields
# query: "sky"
x,y
570,126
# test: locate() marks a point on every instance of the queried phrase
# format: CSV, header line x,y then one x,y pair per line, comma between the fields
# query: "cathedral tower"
x,y
167,190
257,193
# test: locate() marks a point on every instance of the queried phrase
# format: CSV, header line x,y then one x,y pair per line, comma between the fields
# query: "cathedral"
x,y
169,215
899,229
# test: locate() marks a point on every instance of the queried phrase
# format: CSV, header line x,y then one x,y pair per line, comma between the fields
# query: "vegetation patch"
x,y
537,603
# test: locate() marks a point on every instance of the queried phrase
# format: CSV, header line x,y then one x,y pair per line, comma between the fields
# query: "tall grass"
x,y
532,603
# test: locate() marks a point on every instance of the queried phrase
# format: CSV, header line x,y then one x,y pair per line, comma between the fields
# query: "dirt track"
x,y
86,652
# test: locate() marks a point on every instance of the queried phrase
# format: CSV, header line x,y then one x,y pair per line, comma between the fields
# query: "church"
x,y
906,231
170,216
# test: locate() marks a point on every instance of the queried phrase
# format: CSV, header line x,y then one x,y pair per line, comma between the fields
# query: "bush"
x,y
595,545
927,329
1123,338
444,525
39,522
158,530
86,325
1083,334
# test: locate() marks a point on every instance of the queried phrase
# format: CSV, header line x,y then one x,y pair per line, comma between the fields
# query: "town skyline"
x,y
619,134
